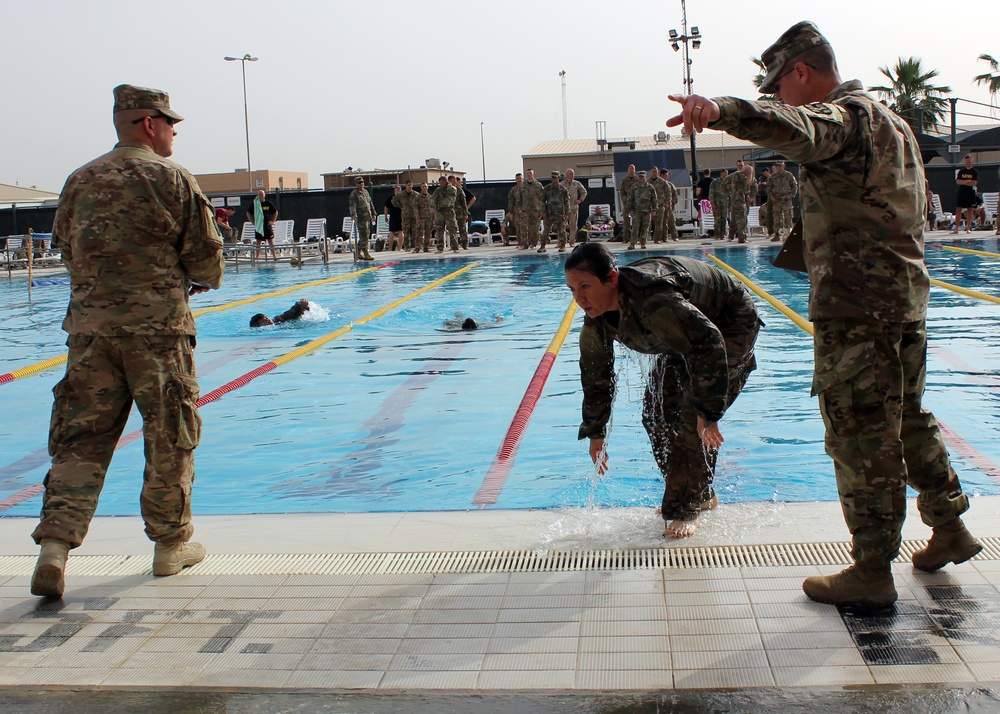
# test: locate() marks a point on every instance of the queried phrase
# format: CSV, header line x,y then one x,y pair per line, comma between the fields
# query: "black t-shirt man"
x,y
967,194
270,214
704,183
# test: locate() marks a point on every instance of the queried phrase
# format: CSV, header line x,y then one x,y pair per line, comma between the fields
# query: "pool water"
x,y
400,415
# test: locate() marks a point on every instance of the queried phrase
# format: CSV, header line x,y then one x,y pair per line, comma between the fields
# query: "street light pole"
x,y
694,40
246,114
482,146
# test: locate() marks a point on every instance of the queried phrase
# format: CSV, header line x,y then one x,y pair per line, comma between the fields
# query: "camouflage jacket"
x,y
643,198
739,189
461,203
625,191
531,197
782,187
672,195
423,205
361,205
669,306
407,203
443,200
662,189
135,231
576,192
514,199
556,200
717,193
863,199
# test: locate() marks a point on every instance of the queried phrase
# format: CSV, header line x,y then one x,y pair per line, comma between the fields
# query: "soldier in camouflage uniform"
x,y
740,190
461,212
138,237
625,196
720,203
555,200
863,205
577,195
642,209
662,188
362,210
673,196
514,208
425,220
700,325
531,211
406,201
443,204
781,189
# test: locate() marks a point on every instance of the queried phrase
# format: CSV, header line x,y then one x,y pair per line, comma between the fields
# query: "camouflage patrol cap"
x,y
796,40
128,96
359,179
556,174
640,173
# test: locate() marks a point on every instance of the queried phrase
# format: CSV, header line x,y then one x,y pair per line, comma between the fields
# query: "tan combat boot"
x,y
49,577
172,559
949,543
857,585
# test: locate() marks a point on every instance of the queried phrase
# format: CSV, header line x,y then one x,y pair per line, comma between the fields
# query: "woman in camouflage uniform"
x,y
700,325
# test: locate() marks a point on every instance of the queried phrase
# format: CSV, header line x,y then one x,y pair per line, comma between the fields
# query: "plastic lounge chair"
x,y
707,218
990,204
248,233
596,233
941,217
499,214
753,220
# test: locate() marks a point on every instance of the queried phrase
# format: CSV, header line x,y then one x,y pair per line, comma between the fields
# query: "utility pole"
x,y
562,75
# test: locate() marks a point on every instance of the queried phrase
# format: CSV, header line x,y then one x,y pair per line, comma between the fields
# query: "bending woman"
x,y
700,324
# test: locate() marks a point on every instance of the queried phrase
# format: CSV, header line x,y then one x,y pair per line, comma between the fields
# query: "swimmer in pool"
x,y
467,324
295,312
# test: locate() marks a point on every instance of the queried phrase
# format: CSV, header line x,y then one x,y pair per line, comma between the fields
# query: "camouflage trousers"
x,y
104,375
670,419
573,224
422,239
554,224
463,230
363,226
527,228
738,222
870,380
639,229
411,231
779,219
720,211
445,221
671,222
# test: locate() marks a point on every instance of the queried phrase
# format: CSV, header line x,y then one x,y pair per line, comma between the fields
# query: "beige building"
x,y
383,177
587,157
266,179
25,195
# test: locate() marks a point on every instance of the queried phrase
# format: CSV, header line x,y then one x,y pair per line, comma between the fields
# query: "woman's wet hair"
x,y
594,258
470,324
258,320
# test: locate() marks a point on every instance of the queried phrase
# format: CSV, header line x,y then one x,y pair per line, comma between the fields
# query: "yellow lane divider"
x,y
775,303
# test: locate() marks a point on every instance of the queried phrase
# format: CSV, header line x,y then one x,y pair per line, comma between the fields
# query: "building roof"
x,y
23,194
675,140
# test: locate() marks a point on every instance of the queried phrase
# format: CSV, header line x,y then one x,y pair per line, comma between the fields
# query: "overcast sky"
x,y
389,84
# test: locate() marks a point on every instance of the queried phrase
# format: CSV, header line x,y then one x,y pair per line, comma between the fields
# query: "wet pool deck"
x,y
592,630
268,613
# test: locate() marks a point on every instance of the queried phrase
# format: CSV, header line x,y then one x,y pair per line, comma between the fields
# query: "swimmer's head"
x,y
260,320
470,324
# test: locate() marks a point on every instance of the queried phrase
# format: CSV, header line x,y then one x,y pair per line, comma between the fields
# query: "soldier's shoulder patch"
x,y
827,112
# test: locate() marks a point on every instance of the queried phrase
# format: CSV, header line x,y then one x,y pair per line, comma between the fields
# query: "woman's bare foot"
x,y
681,529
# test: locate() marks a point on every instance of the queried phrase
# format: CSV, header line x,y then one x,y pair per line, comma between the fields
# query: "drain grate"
x,y
492,561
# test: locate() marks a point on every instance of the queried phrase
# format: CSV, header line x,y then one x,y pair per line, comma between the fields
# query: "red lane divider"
x,y
503,462
21,496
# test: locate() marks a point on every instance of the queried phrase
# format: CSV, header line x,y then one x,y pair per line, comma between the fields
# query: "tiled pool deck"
x,y
587,629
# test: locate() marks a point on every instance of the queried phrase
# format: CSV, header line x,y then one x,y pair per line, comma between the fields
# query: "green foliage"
x,y
911,95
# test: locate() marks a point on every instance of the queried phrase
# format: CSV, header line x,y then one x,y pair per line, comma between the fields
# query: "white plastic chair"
x,y
499,214
753,220
707,217
248,233
990,204
941,217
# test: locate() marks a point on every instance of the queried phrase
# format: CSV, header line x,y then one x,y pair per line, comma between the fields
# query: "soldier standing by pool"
x,y
406,201
514,207
720,204
740,191
138,237
362,210
625,197
642,209
531,210
443,205
577,195
425,216
781,189
863,207
673,196
555,200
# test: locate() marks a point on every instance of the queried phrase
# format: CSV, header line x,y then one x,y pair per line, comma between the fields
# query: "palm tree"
x,y
992,78
761,73
911,95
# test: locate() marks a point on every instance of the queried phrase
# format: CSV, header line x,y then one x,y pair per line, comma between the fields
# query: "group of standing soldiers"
x,y
648,205
423,214
733,193
555,208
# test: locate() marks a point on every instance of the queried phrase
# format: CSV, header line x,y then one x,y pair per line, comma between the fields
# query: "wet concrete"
x,y
897,699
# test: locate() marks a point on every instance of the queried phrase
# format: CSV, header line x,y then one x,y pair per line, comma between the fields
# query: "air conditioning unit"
x,y
432,163
661,136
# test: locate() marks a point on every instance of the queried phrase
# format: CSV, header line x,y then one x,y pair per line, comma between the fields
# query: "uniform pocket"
x,y
839,366
60,407
184,414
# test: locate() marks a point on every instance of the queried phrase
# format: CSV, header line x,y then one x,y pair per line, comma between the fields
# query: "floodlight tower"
x,y
562,76
691,41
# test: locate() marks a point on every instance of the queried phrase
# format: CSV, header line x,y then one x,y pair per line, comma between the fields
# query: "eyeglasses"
x,y
170,120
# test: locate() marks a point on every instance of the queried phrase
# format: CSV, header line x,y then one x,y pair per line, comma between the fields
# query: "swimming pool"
x,y
397,415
